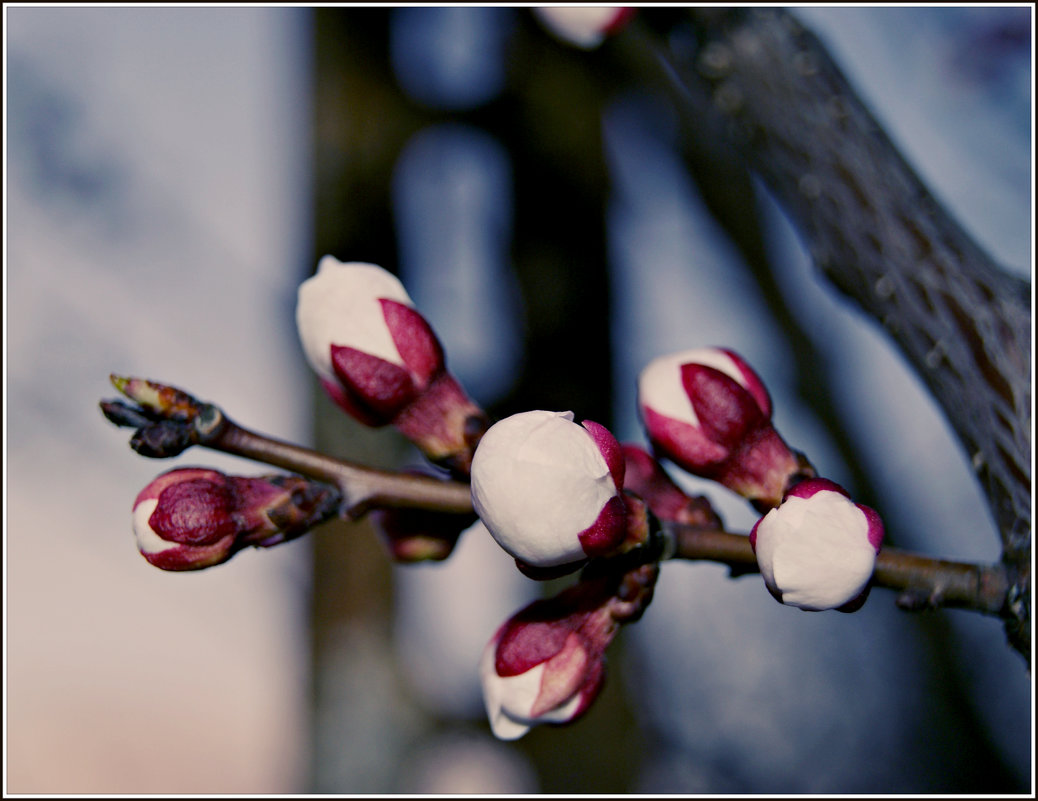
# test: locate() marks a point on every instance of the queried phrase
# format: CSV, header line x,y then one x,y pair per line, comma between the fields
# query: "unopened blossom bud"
x,y
584,26
379,359
708,412
817,549
550,490
193,518
546,663
168,420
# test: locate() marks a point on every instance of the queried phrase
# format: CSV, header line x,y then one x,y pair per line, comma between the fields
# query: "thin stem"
x,y
362,488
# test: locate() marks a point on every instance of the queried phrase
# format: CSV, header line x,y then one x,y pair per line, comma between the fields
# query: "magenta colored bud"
x,y
817,549
192,518
546,664
549,490
416,535
184,520
379,359
708,412
361,334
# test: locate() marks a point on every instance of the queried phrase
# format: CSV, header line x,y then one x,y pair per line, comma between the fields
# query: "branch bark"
x,y
779,100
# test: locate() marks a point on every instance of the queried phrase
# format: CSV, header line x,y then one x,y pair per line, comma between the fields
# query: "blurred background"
x,y
172,174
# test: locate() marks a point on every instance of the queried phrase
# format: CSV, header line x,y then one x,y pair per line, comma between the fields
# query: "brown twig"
x,y
363,488
169,420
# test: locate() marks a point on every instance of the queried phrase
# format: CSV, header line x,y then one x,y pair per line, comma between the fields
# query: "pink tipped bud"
x,y
584,26
191,518
817,549
549,490
379,359
546,664
361,334
708,412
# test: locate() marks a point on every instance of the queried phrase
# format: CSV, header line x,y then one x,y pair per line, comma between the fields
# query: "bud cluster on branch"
x,y
560,497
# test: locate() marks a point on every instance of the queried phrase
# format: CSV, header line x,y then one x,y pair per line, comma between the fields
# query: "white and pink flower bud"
x,y
585,27
817,549
546,664
378,358
708,412
550,491
193,518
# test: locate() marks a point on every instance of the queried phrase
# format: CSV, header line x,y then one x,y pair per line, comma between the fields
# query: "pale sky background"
x,y
156,225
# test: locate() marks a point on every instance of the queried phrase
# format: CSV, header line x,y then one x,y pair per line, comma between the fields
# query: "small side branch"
x,y
363,488
169,420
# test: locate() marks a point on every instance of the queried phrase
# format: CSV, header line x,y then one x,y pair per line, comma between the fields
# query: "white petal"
x,y
147,540
561,714
815,551
538,480
583,26
339,305
508,699
660,388
504,728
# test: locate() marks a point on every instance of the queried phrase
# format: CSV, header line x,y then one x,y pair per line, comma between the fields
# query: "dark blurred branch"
x,y
770,89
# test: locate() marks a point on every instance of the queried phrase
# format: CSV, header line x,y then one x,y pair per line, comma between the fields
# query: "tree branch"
x,y
771,90
363,488
169,420
183,421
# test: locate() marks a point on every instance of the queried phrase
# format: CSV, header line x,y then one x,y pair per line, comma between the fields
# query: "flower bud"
x,y
192,518
584,26
168,420
371,350
817,549
546,664
381,362
708,412
549,490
